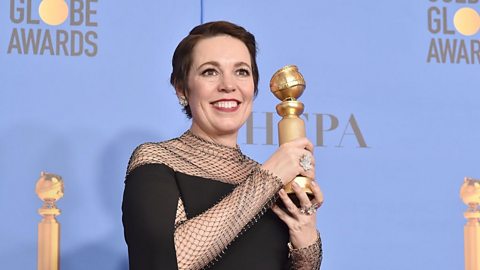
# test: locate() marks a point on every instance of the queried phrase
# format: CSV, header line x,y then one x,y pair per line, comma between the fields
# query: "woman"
x,y
196,201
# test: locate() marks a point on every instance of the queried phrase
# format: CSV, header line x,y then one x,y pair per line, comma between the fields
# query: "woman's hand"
x,y
285,162
301,224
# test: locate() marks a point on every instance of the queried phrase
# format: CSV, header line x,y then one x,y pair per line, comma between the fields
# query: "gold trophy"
x,y
287,84
470,194
49,189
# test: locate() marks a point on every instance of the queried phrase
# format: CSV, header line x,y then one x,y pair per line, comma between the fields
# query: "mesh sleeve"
x,y
201,240
307,258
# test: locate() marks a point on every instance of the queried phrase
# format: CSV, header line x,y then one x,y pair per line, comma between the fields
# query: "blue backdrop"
x,y
392,105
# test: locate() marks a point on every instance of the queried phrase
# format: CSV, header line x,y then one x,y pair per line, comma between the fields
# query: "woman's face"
x,y
220,86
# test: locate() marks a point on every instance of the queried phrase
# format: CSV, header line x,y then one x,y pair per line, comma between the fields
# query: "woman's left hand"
x,y
301,223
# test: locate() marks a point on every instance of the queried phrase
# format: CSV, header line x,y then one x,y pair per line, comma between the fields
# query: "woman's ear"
x,y
182,96
180,91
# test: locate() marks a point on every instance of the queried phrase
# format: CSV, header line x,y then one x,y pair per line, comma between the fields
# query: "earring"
x,y
182,100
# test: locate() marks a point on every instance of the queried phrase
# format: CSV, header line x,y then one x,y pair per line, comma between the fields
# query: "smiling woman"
x,y
196,201
223,88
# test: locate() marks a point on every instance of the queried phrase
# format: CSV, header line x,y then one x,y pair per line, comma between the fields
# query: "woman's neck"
x,y
229,139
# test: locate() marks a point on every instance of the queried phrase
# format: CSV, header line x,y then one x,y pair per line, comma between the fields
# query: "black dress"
x,y
207,204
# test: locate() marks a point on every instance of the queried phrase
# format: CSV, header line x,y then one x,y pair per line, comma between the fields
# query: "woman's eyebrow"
x,y
217,64
213,63
242,64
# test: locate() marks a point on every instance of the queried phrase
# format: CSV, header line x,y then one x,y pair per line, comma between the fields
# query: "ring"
x,y
306,162
317,205
308,210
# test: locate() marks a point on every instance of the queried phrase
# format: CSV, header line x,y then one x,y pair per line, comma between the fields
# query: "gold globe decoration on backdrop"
x,y
49,189
53,12
467,21
470,194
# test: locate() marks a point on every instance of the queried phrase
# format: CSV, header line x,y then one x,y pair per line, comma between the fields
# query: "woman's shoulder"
x,y
149,153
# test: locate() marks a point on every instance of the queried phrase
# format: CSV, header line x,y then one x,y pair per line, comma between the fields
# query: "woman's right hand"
x,y
285,162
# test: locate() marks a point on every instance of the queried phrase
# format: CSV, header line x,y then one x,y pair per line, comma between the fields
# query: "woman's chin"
x,y
227,129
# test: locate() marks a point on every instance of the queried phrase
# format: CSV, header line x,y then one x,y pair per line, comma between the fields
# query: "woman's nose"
x,y
227,84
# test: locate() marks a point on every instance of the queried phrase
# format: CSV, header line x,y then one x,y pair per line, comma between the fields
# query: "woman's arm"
x,y
149,210
307,258
305,243
198,241
149,207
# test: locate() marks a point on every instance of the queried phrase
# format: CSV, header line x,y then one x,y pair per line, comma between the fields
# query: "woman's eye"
x,y
243,72
209,72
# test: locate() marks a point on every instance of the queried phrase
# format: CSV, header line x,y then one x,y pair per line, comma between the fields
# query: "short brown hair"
x,y
182,57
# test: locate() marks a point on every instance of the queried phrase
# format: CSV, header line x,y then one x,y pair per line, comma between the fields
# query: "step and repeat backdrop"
x,y
391,104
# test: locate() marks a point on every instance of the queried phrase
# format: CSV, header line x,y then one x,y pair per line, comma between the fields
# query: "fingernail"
x,y
295,185
313,183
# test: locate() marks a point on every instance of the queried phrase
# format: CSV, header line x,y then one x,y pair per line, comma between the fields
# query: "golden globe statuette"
x,y
287,84
49,189
470,193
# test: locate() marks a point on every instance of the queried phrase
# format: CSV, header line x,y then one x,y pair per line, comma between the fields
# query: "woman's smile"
x,y
226,105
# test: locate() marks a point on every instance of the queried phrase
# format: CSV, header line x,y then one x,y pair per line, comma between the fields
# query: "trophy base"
x,y
304,183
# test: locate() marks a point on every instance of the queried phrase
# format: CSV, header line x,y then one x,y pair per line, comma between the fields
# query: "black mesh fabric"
x,y
201,239
307,258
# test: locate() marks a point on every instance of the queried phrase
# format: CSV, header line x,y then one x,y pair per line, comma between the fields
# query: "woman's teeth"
x,y
226,104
